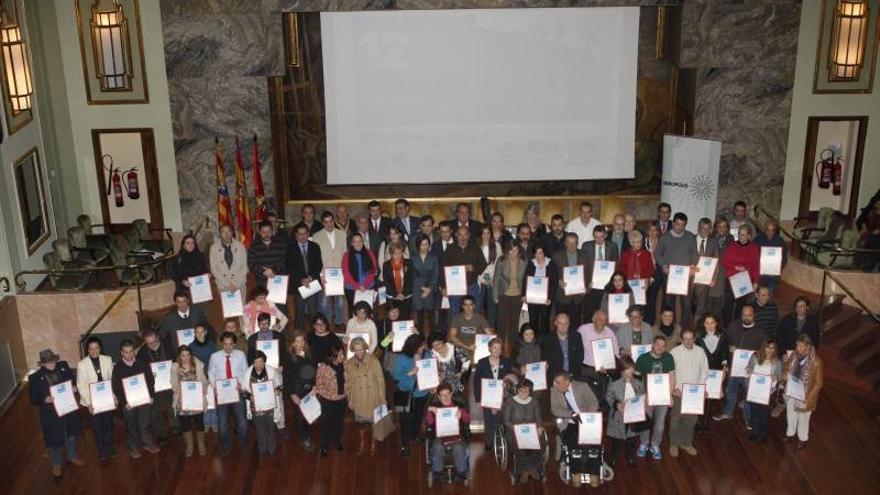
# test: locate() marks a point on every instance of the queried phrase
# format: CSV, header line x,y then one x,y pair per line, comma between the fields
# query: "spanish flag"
x,y
260,208
243,209
224,209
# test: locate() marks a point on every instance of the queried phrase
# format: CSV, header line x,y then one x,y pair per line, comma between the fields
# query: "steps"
x,y
851,349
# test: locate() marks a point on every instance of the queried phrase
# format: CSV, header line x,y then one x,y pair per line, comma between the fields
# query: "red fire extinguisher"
x,y
825,168
838,177
131,178
114,180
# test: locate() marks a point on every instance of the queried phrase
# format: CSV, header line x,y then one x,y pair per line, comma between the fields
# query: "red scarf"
x,y
397,269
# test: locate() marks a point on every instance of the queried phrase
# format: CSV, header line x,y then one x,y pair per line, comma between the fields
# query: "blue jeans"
x,y
333,308
734,384
459,455
473,290
210,418
55,452
223,412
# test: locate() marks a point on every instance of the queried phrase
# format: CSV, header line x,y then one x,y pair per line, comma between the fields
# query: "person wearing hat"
x,y
58,432
96,367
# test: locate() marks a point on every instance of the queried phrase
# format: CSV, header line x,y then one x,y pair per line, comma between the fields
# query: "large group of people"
x,y
489,333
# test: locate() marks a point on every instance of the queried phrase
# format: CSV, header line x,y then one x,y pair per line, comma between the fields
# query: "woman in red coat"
x,y
637,262
743,255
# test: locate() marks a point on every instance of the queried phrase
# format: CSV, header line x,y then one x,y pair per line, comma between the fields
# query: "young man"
x,y
740,217
227,363
266,255
305,264
137,420
678,247
182,317
308,218
378,223
664,211
442,244
465,253
692,368
585,223
656,361
426,227
554,240
332,243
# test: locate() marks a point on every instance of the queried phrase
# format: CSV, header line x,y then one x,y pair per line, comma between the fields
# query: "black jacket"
x,y
388,277
122,371
51,425
299,375
786,337
283,353
188,265
721,351
298,271
172,322
484,370
551,351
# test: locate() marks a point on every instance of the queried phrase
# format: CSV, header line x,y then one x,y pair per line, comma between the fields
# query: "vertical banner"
x,y
690,177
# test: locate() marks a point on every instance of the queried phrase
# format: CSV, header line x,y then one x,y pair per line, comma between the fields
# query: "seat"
x,y
66,281
93,240
830,238
126,276
816,231
150,241
832,257
68,257
80,249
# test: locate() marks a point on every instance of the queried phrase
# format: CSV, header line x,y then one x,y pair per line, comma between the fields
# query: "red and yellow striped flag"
x,y
224,208
243,209
260,209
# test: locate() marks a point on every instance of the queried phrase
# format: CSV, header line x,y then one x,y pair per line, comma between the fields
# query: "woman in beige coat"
x,y
188,368
365,390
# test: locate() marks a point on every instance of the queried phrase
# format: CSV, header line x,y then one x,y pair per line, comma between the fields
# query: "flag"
x,y
259,195
243,209
224,209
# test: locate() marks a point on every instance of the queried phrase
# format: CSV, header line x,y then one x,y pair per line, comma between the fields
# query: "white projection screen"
x,y
480,95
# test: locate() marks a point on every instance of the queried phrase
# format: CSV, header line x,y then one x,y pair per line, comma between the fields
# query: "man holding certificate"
x,y
305,265
570,293
139,376
774,255
708,290
59,431
600,350
226,364
652,365
158,357
742,334
677,247
467,254
265,333
93,374
601,257
181,317
691,368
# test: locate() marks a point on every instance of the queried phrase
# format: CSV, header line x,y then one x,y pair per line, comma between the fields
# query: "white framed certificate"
x,y
227,391
603,354
309,290
678,281
794,388
186,336
232,305
447,422
351,336
263,395
637,350
310,407
136,391
573,276
210,398
639,291
707,266
714,379
527,436
693,398
200,289
634,410
537,290
382,295
481,345
401,329
602,272
63,398
740,362
192,396
277,287
428,375
760,387
590,428
161,375
101,395
491,393
537,374
270,348
368,296
456,280
771,261
617,306
740,284
334,284
658,389
380,412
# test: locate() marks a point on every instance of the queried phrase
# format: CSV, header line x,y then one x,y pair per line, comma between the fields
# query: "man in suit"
x,y
563,351
569,398
426,228
279,228
332,244
308,218
599,249
664,211
305,265
372,240
405,223
569,256
463,219
378,223
618,234
440,245
554,240
709,298
182,317
228,258
525,239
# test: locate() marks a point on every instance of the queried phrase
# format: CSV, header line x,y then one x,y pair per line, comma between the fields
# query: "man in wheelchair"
x,y
568,399
441,443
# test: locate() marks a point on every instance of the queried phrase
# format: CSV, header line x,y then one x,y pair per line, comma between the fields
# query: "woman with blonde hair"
x,y
364,389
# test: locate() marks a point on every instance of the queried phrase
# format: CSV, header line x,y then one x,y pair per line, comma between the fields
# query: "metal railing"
x,y
100,318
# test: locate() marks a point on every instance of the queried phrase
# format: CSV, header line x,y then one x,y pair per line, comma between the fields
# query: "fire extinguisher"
x,y
825,168
131,178
838,177
114,181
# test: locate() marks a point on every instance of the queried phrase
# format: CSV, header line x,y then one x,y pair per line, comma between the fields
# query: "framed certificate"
x,y
706,274
227,391
658,389
210,398
771,261
482,346
263,395
63,398
492,393
602,272
333,283
537,290
603,354
192,396
527,436
795,389
368,296
693,398
447,422
428,376
277,287
636,351
456,280
639,291
617,306
760,388
590,428
136,391
537,374
200,289
714,379
740,362
101,395
740,284
186,336
231,301
573,276
270,349
402,329
382,295
310,407
444,302
678,281
161,375
634,410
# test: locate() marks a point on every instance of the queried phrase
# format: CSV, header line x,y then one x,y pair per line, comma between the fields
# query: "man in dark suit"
x,y
562,349
182,317
554,240
405,223
569,256
305,265
439,246
618,234
463,219
426,228
378,223
663,222
371,238
599,249
709,298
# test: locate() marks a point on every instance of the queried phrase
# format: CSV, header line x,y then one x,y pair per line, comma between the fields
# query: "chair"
x,y
148,241
814,232
93,240
66,281
126,275
68,257
832,258
830,238
80,249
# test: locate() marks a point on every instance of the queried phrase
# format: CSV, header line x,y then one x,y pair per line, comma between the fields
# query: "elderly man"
x,y
618,234
692,368
229,264
593,369
562,350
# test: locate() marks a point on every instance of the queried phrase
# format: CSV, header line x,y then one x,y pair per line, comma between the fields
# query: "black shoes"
x,y
323,452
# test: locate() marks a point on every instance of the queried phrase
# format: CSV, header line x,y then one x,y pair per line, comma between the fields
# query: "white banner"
x,y
690,177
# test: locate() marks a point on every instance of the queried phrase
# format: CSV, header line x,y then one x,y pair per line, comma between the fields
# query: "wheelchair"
x,y
579,464
449,471
505,452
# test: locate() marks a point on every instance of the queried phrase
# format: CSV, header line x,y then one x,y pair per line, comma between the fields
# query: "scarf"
x,y
667,330
525,401
397,269
803,366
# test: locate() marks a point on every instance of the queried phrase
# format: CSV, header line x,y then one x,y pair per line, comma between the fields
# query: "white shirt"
x,y
217,366
331,236
628,392
704,240
183,315
584,232
691,365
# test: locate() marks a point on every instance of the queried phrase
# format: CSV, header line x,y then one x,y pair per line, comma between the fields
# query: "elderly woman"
x,y
620,391
507,290
364,389
493,367
330,389
522,408
189,368
397,274
258,305
395,239
58,432
264,421
805,367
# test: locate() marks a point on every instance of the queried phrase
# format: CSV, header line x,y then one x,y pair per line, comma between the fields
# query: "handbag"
x,y
384,428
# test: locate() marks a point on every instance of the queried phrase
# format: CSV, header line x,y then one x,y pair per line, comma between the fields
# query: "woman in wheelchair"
x,y
456,444
519,409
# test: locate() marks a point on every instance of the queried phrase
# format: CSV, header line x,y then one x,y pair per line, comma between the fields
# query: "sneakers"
x,y
722,417
690,450
656,454
673,451
152,450
643,450
135,454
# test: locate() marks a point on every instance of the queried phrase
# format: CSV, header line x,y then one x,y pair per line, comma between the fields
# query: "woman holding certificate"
x,y
365,391
330,389
426,278
359,267
260,383
522,408
362,323
621,428
397,275
190,262
51,390
258,305
616,299
449,431
453,363
490,246
764,362
489,370
95,372
803,370
742,256
409,400
189,400
507,290
299,378
713,340
541,266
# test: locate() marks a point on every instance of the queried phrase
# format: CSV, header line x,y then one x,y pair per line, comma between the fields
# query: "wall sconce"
x,y
848,37
15,62
110,46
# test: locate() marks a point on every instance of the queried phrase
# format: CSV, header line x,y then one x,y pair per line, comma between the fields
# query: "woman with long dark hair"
x,y
190,262
409,401
541,266
426,277
330,389
299,378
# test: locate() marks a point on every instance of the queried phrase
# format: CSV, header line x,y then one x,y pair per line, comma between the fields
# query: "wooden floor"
x,y
843,456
